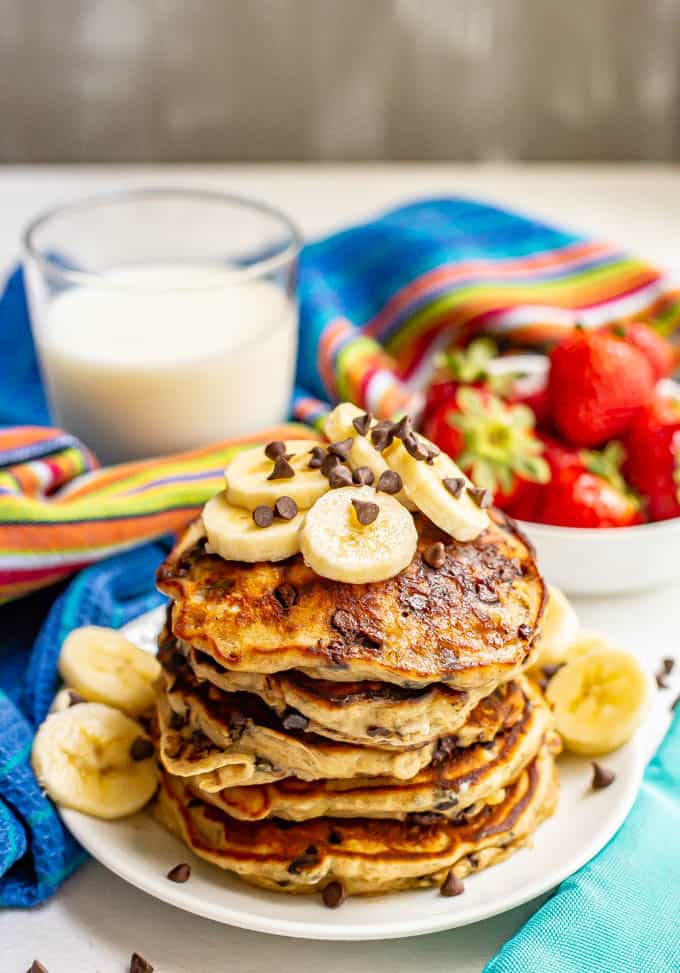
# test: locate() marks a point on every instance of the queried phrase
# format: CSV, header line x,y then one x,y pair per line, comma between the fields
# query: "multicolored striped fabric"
x,y
376,302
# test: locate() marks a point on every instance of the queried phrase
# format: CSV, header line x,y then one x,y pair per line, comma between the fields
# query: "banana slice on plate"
x,y
559,629
439,489
357,535
598,700
249,486
93,758
102,666
233,534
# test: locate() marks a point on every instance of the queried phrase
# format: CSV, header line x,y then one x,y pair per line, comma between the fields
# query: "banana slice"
x,y
336,545
248,486
102,666
83,757
584,644
460,516
233,534
559,629
598,700
338,425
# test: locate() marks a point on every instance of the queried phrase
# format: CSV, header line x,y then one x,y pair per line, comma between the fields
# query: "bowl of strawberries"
x,y
581,447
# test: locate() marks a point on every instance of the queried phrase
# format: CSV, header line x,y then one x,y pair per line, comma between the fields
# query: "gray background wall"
x,y
224,80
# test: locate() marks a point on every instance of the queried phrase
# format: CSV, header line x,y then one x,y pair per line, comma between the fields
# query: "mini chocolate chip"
x,y
318,456
414,447
335,838
141,749
311,850
378,731
177,721
341,448
329,463
180,873
273,450
432,453
543,683
362,423
340,476
74,697
661,680
37,967
668,665
424,818
404,428
286,595
140,965
333,895
549,671
524,632
344,622
602,777
446,805
435,555
366,511
263,516
389,482
285,508
304,861
282,469
480,496
454,484
382,434
451,885
363,476
295,721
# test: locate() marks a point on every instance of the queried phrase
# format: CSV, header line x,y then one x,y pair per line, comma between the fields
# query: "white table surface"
x,y
96,920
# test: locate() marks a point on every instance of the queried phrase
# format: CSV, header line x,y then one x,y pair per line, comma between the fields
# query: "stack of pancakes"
x,y
319,735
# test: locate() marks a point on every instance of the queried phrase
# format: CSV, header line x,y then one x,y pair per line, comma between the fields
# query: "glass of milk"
x,y
164,319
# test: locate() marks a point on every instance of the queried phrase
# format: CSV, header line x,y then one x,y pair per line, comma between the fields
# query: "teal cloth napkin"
x,y
621,912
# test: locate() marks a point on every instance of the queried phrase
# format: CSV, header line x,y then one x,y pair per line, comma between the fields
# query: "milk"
x,y
153,360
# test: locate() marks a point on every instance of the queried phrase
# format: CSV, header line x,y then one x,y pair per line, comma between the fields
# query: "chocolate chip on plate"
x,y
362,423
263,516
366,511
363,476
180,873
286,595
285,508
661,680
451,885
668,665
340,476
318,454
333,895
480,496
282,469
602,777
295,721
37,967
435,555
141,748
273,450
140,965
454,484
389,482
342,448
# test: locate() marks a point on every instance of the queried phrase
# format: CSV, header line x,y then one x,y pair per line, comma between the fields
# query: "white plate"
x,y
140,851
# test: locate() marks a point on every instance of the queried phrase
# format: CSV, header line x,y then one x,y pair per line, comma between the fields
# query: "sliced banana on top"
x,y
102,666
338,545
584,644
439,489
598,700
249,486
233,534
93,758
559,628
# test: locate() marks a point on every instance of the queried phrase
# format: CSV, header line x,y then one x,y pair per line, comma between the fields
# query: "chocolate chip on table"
x,y
37,967
333,895
140,965
363,476
451,885
366,511
273,450
435,555
668,665
340,476
286,595
295,721
362,423
454,484
263,516
602,777
282,469
141,749
180,873
285,508
318,455
389,482
342,448
480,496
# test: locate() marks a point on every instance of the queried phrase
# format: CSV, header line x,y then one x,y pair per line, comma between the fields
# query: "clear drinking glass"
x,y
164,319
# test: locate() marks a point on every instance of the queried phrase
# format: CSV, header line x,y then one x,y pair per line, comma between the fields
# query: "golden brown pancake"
x,y
367,856
469,623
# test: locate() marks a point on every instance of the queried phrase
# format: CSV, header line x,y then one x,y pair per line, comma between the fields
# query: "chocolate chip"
x,y
661,680
304,861
340,476
543,683
378,731
341,448
389,482
454,484
524,632
451,885
414,447
177,721
285,508
141,749
382,434
329,463
333,895
140,965
335,838
480,496
363,476
432,453
282,469
286,595
263,516
295,721
318,456
404,428
668,665
273,450
311,850
424,818
344,622
366,511
37,967
446,805
601,776
435,555
180,873
549,671
362,423
74,697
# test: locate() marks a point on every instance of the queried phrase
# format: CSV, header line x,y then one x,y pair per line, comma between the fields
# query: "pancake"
x,y
469,624
366,856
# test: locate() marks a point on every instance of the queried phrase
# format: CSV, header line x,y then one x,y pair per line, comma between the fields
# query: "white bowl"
x,y
606,560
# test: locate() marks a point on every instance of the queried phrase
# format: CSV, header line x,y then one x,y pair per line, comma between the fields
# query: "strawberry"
x,y
463,366
596,383
653,457
535,396
657,350
490,440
